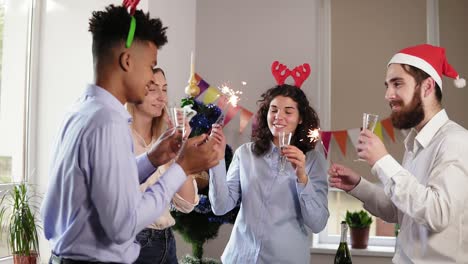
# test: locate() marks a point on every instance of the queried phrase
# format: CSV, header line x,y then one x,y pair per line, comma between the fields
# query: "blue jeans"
x,y
157,247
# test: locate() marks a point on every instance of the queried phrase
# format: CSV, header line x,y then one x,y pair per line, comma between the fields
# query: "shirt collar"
x,y
108,99
428,131
273,148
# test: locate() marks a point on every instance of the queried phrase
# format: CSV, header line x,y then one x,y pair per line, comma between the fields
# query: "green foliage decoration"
x,y
18,220
358,219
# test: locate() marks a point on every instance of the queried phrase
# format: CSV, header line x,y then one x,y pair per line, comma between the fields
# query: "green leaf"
x,y
18,219
358,219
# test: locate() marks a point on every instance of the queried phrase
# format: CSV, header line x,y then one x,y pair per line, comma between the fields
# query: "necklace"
x,y
142,139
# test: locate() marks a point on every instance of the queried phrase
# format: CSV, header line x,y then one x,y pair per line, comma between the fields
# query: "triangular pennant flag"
x,y
353,134
245,116
203,86
210,95
378,130
197,77
222,101
231,112
254,123
388,126
326,137
341,138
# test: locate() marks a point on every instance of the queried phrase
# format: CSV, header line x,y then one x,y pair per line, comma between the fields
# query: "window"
x,y
380,234
15,57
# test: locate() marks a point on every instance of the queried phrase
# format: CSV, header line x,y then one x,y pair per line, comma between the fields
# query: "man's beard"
x,y
411,115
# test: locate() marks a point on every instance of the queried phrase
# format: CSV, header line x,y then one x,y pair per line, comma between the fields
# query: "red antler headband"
x,y
281,73
131,6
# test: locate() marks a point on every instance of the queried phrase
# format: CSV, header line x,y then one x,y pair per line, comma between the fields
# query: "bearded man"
x,y
426,194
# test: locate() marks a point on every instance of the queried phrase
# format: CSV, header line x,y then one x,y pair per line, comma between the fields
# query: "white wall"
x,y
174,58
238,41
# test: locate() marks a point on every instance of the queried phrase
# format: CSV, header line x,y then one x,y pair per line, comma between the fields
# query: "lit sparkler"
x,y
233,98
314,136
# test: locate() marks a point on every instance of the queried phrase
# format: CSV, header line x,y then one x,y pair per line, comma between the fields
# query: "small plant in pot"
x,y
20,223
359,223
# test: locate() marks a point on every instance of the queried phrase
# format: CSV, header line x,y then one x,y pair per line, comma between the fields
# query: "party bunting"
x,y
210,94
354,135
198,78
326,138
387,124
341,138
378,130
231,110
245,116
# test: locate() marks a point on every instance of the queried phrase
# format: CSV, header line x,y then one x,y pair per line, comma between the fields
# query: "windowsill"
x,y
374,251
6,260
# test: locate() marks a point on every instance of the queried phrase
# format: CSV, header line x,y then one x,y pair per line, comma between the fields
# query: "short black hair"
x,y
110,27
156,70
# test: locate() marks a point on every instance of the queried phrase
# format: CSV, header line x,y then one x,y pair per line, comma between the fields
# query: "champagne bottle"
x,y
342,255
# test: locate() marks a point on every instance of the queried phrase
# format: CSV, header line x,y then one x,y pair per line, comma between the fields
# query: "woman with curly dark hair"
x,y
279,208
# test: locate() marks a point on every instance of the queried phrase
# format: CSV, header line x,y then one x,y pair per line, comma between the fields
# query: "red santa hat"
x,y
430,59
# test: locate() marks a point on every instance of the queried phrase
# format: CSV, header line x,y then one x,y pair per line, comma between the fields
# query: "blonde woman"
x,y
149,122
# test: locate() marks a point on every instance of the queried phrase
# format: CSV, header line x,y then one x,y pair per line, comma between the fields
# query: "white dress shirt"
x,y
427,195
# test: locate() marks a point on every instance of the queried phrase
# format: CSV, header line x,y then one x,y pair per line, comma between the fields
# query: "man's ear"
x,y
428,86
124,61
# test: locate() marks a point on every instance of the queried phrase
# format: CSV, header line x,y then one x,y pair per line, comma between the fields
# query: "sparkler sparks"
x,y
314,136
233,98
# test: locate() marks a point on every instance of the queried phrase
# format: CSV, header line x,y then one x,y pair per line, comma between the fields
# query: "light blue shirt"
x,y
276,211
94,208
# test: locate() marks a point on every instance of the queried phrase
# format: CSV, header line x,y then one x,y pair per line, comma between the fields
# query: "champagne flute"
x,y
177,117
284,140
369,121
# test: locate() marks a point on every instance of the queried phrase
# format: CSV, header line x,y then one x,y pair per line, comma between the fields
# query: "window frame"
x,y
323,238
25,174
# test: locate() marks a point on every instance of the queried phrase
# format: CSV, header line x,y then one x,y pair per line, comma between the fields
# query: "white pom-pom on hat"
x,y
459,82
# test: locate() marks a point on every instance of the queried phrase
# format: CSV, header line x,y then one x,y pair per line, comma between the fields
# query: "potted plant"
x,y
359,223
20,224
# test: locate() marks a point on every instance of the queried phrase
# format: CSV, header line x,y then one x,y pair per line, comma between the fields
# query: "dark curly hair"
x,y
110,27
261,135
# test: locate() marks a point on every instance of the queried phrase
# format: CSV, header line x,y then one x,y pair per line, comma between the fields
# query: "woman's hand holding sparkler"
x,y
217,135
233,98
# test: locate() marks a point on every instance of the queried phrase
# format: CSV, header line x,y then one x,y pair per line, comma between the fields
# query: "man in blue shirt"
x,y
94,208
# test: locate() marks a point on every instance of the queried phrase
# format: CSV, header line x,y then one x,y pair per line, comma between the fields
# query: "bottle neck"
x,y
344,233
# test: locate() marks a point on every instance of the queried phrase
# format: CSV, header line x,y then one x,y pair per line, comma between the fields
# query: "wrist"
x,y
153,160
302,179
184,166
357,183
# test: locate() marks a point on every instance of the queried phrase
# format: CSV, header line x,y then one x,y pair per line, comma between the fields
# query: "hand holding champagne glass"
x,y
177,117
284,140
369,121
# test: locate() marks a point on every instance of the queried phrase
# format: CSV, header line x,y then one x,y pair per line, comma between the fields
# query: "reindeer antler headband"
x,y
281,73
